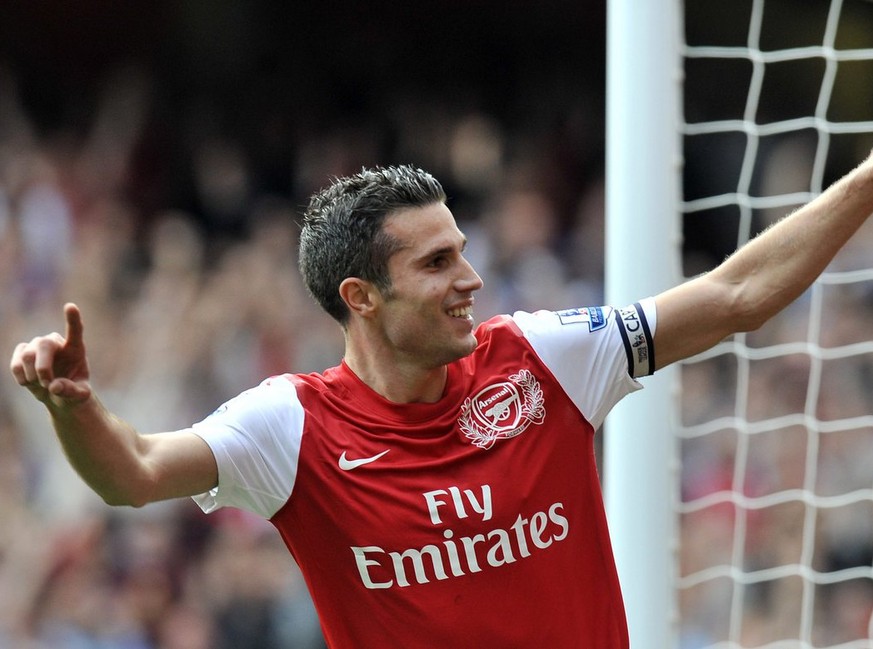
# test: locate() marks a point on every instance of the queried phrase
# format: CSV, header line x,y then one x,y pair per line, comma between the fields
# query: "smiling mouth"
x,y
463,312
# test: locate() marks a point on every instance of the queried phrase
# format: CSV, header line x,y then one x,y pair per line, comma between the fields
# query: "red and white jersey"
x,y
476,521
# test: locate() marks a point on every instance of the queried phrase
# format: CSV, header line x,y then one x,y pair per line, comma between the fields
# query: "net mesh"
x,y
776,435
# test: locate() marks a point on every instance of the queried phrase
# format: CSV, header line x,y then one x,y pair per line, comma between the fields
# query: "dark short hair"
x,y
343,233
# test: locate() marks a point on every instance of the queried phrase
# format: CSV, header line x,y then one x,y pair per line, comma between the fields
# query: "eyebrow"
x,y
443,250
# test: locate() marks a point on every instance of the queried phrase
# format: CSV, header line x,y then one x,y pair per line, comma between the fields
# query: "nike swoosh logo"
x,y
347,465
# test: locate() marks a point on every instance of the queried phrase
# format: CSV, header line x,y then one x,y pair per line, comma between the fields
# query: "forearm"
x,y
122,466
765,275
104,450
776,267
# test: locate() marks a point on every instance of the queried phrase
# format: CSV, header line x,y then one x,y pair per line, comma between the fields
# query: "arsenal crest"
x,y
503,410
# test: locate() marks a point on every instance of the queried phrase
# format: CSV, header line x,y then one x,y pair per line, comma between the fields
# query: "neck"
x,y
398,382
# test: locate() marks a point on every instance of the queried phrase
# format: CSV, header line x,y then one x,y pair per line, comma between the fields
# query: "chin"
x,y
472,344
457,352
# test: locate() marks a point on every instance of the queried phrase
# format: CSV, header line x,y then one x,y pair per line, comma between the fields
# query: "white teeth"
x,y
461,313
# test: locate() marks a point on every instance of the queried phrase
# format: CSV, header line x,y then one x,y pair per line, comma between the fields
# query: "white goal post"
x,y
643,165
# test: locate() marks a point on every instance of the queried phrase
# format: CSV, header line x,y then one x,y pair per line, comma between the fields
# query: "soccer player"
x,y
438,487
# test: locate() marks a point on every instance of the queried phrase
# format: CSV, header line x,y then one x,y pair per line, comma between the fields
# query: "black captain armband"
x,y
637,338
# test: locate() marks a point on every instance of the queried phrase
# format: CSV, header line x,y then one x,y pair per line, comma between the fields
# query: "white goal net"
x,y
775,511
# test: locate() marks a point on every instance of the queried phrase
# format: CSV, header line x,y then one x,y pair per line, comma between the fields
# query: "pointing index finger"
x,y
75,328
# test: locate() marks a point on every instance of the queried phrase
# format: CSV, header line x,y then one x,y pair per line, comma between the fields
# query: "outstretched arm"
x,y
121,465
765,275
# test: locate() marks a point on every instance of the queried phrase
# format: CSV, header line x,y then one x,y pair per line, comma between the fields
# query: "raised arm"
x,y
765,275
121,465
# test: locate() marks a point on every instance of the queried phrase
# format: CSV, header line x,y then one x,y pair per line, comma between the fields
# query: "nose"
x,y
468,279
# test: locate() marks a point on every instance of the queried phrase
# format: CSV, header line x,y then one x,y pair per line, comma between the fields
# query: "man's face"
x,y
427,315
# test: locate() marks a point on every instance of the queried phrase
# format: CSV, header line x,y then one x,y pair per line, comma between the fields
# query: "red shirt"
x,y
476,521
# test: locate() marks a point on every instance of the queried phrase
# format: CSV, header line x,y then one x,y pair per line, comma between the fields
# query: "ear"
x,y
360,296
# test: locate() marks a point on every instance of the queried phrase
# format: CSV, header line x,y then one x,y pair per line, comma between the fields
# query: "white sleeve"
x,y
595,353
255,438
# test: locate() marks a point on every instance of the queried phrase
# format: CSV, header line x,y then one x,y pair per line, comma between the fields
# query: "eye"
x,y
439,261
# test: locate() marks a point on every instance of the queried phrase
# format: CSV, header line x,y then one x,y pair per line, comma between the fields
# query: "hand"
x,y
55,368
